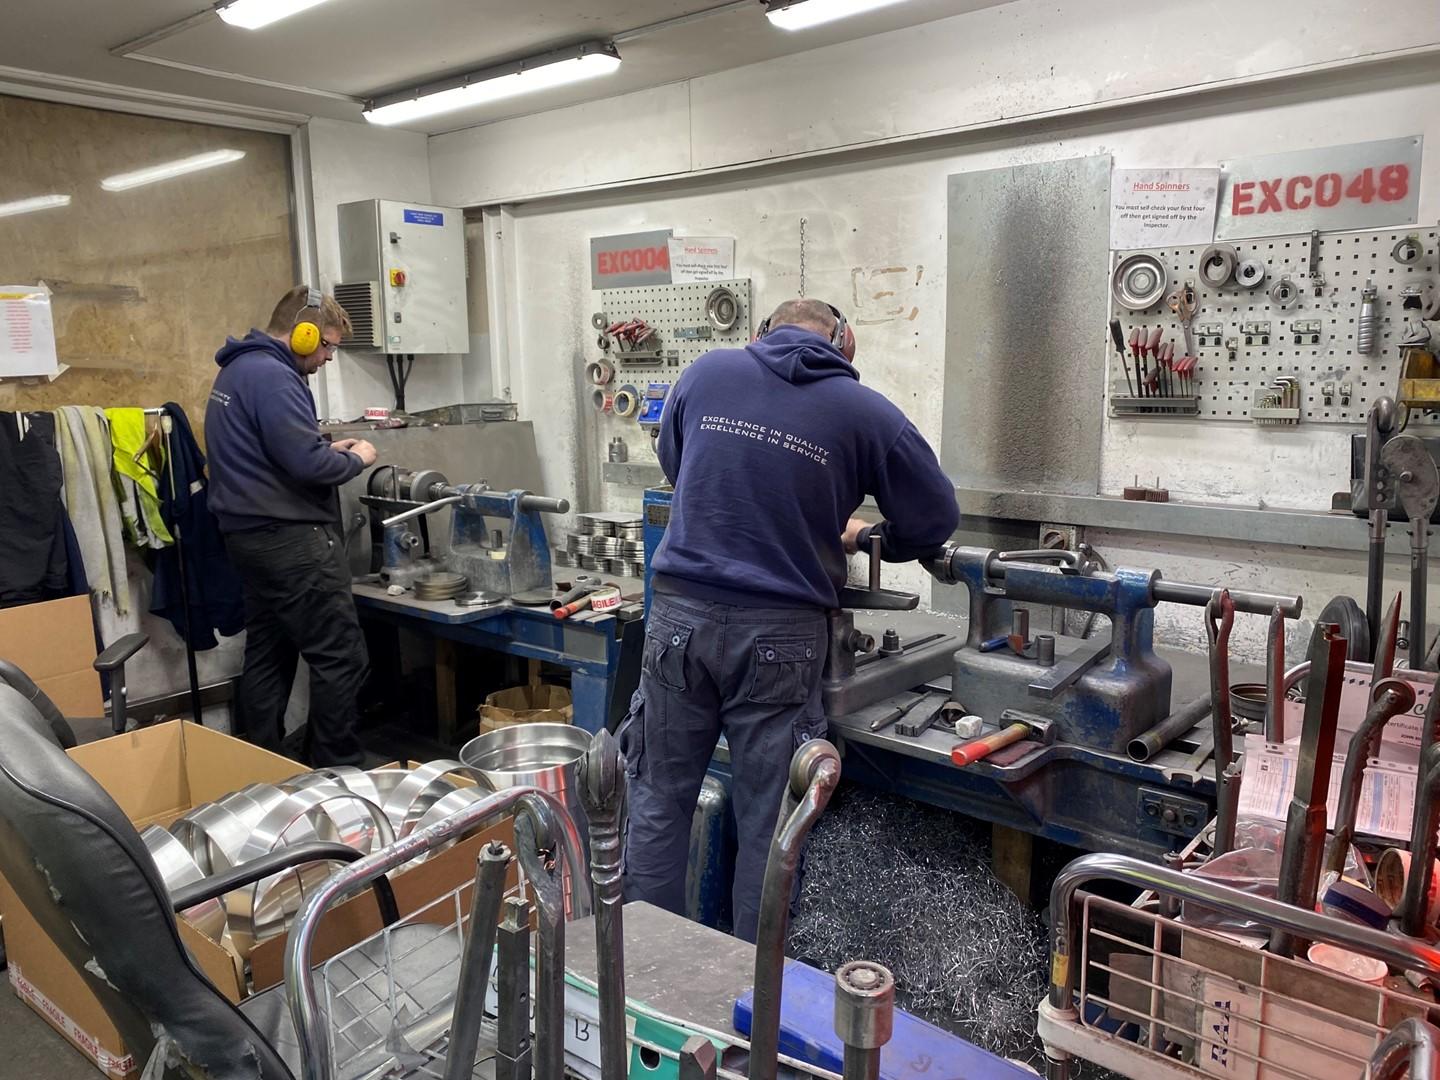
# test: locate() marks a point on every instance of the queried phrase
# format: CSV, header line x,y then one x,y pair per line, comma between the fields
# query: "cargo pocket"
x,y
806,728
630,735
664,657
785,671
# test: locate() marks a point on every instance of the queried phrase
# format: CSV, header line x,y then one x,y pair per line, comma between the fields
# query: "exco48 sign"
x,y
1361,186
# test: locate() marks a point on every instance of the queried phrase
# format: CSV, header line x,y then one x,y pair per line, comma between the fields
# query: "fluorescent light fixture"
x,y
38,202
586,61
803,14
126,181
253,14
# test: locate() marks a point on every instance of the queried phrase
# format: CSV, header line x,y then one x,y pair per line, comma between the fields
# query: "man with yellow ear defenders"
x,y
273,483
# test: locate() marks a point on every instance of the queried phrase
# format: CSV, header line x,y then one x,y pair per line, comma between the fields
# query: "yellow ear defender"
x,y
305,337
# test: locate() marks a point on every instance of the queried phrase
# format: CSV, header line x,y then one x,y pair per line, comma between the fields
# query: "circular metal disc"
x,y
1139,282
722,308
534,597
1250,273
1354,627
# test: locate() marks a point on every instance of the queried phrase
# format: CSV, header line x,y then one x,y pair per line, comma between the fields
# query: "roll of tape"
x,y
600,372
605,600
603,400
627,401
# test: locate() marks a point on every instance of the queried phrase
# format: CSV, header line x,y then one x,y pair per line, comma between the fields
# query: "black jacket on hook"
x,y
215,603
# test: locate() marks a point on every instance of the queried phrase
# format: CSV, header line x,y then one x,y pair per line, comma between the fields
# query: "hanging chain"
x,y
802,256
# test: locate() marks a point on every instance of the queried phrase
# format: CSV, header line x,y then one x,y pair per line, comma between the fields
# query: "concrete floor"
x,y
32,1048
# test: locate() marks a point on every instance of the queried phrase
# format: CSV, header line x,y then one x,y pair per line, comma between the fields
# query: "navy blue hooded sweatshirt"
x,y
771,448
268,460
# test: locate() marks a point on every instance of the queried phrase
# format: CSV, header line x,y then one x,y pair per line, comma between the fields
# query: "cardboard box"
x,y
156,774
54,643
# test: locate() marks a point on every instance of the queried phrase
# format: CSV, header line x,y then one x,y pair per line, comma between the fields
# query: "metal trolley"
x,y
1143,994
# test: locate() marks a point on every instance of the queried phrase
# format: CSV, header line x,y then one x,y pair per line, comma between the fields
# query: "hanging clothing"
x,y
136,481
215,600
32,513
90,498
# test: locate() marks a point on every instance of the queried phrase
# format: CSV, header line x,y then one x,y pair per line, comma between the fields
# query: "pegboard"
x,y
1346,261
669,308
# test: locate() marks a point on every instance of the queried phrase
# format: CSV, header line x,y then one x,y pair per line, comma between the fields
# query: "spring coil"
x,y
1368,323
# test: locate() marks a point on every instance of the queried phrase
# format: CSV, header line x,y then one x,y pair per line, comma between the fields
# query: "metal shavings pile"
x,y
910,886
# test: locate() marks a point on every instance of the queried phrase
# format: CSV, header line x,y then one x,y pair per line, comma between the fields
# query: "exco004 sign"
x,y
630,259
1361,186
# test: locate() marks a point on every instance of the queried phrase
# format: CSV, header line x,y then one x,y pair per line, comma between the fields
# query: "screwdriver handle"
x,y
1118,336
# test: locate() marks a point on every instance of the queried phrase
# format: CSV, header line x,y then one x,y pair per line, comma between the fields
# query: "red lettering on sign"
x,y
631,260
1394,182
1362,187
1327,189
1240,196
1293,203
1269,196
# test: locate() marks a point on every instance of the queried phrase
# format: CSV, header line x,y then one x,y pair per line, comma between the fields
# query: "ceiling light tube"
x,y
30,205
253,14
803,14
592,59
169,169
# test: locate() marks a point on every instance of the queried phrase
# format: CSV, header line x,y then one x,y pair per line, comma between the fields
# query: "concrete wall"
x,y
1021,83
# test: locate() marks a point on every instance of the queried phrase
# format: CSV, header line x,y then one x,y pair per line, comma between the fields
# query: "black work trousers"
x,y
296,583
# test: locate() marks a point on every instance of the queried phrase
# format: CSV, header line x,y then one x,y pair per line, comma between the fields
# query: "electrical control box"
x,y
653,405
402,277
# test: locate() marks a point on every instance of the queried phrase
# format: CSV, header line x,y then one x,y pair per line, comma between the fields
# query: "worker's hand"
x,y
851,536
342,444
363,450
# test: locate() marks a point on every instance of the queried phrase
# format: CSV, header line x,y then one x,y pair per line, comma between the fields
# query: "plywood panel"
x,y
148,281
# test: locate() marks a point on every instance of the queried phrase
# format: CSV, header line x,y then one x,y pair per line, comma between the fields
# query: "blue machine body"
x,y
497,543
915,1050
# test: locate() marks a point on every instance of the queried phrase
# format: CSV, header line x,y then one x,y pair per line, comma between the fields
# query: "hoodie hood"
x,y
800,356
256,341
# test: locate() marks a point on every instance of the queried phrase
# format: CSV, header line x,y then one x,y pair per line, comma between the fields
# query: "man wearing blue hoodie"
x,y
273,483
770,448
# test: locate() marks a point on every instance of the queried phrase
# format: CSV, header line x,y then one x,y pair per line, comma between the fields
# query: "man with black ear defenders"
x,y
771,448
273,484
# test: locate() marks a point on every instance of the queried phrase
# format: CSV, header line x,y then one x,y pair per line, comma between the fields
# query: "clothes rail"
x,y
167,426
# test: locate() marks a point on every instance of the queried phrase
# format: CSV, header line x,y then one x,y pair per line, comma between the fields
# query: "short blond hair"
x,y
294,304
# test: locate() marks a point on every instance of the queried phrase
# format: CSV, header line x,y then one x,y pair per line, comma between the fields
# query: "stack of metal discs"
x,y
607,542
593,562
441,585
562,557
632,529
362,810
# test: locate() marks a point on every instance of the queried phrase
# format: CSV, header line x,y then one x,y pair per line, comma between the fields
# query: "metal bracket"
x,y
1067,671
1167,812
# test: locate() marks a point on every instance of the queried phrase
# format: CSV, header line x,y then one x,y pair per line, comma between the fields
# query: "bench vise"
x,y
1100,692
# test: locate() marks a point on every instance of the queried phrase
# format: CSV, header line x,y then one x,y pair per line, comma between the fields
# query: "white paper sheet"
x,y
27,332
702,258
1152,208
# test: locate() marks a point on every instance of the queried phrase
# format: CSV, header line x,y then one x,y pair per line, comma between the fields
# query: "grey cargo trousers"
x,y
752,674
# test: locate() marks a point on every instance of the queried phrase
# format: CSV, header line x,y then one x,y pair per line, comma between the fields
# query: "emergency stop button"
x,y
397,277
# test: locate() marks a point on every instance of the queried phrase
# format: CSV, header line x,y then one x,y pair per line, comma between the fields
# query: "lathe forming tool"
x,y
497,539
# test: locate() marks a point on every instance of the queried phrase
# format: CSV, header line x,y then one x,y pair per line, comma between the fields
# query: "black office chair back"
x,y
12,676
82,870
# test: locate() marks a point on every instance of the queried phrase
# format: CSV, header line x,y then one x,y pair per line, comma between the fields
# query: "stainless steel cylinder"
x,y
864,1016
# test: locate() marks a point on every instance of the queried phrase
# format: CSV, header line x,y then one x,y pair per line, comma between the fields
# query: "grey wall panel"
x,y
1025,309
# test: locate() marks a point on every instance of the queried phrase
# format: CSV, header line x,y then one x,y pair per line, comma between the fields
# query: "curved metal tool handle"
x,y
1388,699
814,772
421,510
548,1053
600,773
1411,1049
1219,619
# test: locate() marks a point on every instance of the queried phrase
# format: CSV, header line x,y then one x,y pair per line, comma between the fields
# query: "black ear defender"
x,y
837,336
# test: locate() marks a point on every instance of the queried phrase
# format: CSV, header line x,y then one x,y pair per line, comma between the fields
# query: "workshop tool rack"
x,y
1245,341
1159,998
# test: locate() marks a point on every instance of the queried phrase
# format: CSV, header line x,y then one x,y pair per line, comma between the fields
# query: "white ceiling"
x,y
355,48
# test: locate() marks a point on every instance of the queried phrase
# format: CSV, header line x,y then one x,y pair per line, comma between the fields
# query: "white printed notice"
x,y
27,332
1152,208
1387,795
701,258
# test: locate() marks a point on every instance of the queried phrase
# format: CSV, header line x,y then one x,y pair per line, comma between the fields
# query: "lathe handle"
x,y
543,504
1253,603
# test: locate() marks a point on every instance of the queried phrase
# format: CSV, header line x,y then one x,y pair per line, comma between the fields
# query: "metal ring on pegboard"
x,y
722,308
603,400
627,401
1284,292
1217,265
1250,273
599,372
599,321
